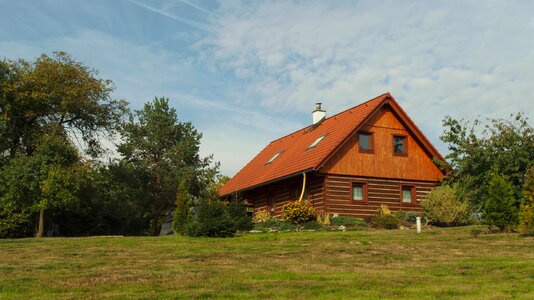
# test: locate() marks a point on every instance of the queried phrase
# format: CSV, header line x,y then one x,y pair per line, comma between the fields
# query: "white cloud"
x,y
458,58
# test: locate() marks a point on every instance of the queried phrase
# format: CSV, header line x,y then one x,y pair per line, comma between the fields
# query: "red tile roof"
x,y
295,156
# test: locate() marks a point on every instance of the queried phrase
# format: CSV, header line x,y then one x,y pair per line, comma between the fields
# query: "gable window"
x,y
359,192
365,141
317,141
399,145
274,157
408,195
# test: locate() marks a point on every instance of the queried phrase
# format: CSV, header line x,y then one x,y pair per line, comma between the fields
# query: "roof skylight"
x,y
317,141
274,157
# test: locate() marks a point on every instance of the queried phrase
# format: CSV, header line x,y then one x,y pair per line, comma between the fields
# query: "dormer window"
x,y
316,142
274,157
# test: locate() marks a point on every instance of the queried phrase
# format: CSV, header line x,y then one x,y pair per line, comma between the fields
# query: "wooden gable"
x,y
382,162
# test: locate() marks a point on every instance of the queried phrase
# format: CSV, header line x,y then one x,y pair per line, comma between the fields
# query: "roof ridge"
x,y
387,94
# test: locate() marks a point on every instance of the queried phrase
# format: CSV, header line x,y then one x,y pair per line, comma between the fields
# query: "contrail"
x,y
191,23
199,8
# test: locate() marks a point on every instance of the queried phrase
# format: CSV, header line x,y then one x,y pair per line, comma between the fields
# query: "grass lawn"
x,y
371,264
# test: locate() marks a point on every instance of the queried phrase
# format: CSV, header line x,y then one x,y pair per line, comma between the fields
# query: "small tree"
x,y
183,205
500,207
443,208
211,219
526,212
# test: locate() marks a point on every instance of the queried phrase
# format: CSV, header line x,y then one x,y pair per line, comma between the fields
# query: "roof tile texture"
x,y
295,156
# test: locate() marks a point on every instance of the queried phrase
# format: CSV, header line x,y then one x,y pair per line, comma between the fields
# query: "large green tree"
x,y
50,178
158,144
49,109
55,91
478,150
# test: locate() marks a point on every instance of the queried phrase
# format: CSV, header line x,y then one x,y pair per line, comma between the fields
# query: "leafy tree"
x,y
183,206
46,107
48,179
526,212
110,203
55,92
500,208
476,150
167,150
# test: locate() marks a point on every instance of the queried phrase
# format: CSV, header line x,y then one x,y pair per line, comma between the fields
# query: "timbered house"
x,y
347,164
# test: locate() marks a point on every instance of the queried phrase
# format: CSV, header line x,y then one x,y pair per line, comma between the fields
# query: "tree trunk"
x,y
155,225
40,229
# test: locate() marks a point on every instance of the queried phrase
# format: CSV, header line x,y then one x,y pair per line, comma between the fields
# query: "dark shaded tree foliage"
x,y
157,144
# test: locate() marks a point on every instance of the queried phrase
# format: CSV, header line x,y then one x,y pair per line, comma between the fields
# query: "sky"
x,y
248,72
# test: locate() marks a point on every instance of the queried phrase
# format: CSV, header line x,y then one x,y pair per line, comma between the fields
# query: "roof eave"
x,y
269,182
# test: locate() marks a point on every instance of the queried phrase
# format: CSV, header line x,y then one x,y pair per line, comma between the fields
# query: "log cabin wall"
x,y
381,162
338,194
287,190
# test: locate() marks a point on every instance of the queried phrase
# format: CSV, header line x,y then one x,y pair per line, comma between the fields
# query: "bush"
x,y
385,219
389,222
500,208
181,214
273,224
297,212
526,211
210,219
311,225
261,216
239,216
348,222
443,208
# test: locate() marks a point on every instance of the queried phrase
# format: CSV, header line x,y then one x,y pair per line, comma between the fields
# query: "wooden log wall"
x,y
339,201
287,190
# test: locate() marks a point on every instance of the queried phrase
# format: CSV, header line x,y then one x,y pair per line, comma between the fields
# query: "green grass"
x,y
370,264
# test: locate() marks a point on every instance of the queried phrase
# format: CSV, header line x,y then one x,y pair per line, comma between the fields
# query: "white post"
x,y
418,224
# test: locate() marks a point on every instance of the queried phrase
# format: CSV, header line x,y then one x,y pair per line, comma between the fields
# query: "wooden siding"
x,y
416,165
285,191
338,195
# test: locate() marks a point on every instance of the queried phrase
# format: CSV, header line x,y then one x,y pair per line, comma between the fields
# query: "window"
x,y
408,195
399,144
359,192
317,141
365,141
274,157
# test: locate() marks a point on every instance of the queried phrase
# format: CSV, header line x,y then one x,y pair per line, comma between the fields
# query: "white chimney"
x,y
318,114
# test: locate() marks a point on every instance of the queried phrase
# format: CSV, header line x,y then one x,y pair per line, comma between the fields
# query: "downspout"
x,y
303,186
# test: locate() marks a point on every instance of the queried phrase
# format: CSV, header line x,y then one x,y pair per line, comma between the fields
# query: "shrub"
x,y
311,225
323,218
297,212
261,216
273,223
500,207
210,219
526,212
181,214
389,221
385,219
443,208
348,222
239,216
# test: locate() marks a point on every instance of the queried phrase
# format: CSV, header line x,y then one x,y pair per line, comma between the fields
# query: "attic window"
x,y
274,157
317,141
